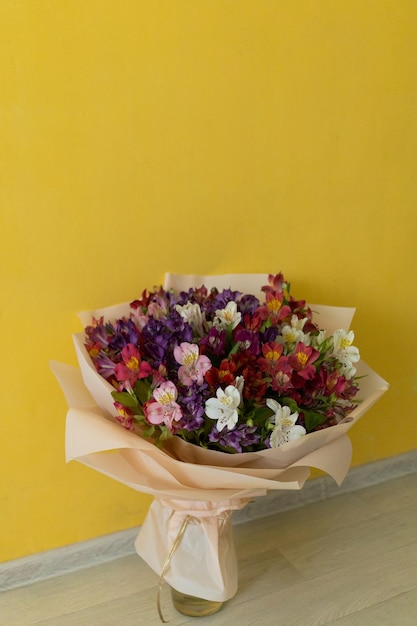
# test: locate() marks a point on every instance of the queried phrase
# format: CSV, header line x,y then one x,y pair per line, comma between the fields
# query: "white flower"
x,y
191,313
224,407
298,323
227,316
239,384
292,335
318,339
342,339
345,352
285,428
347,369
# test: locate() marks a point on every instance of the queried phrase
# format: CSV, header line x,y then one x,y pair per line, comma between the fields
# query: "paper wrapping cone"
x,y
184,477
204,565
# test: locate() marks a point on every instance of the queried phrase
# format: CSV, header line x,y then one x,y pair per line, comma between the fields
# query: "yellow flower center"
x,y
272,355
133,363
165,398
274,305
228,316
302,358
190,359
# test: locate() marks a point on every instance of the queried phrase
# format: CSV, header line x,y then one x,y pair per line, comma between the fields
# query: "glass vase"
x,y
193,606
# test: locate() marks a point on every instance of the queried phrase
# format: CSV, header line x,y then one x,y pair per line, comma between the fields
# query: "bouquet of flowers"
x,y
224,370
226,389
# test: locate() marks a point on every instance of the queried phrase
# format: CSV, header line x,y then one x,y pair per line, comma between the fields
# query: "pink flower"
x,y
165,409
193,367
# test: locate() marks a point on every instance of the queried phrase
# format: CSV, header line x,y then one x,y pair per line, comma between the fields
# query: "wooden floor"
x,y
349,561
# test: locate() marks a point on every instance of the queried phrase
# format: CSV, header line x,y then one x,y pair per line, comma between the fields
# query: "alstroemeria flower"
x,y
274,308
224,407
243,436
276,366
343,340
158,307
275,304
227,316
285,428
193,365
247,340
272,352
124,416
223,375
191,313
294,333
281,375
132,367
165,409
302,360
105,366
345,352
277,283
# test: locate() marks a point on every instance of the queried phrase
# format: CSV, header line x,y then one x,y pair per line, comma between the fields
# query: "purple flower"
x,y
124,333
269,334
192,403
215,341
247,340
239,438
224,297
161,337
105,366
248,304
99,333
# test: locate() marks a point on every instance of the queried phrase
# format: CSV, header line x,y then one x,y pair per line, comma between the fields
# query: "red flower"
x,y
223,376
277,283
302,360
281,376
274,308
272,352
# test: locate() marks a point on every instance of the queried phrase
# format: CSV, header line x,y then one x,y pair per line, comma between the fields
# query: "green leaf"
x,y
165,434
149,432
125,398
137,411
142,390
291,404
313,419
262,413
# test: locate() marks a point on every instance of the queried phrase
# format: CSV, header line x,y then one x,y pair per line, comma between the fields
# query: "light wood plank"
x,y
401,610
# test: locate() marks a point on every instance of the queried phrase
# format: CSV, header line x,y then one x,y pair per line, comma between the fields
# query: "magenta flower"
x,y
124,416
132,367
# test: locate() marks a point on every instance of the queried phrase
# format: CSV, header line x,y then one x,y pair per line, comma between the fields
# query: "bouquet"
x,y
226,389
224,370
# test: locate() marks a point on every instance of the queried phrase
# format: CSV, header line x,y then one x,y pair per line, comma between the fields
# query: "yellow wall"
x,y
203,136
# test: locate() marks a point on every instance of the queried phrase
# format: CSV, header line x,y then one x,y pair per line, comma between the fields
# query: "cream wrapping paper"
x,y
188,480
205,563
